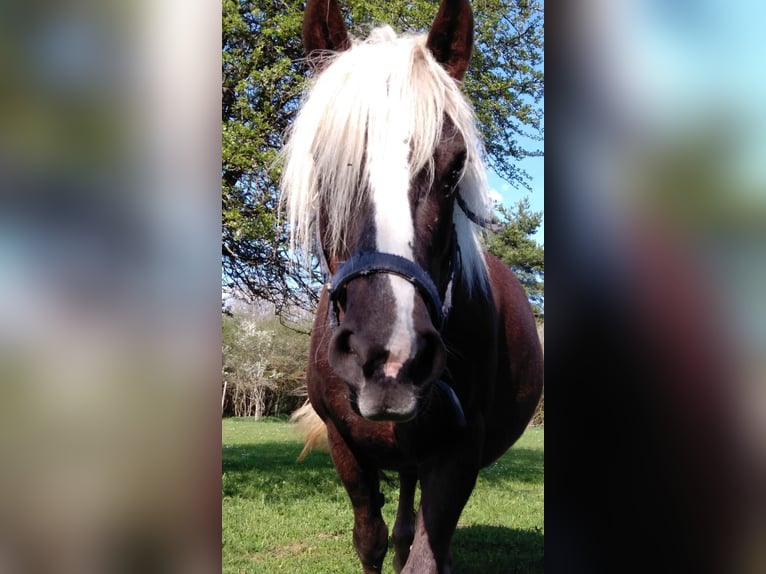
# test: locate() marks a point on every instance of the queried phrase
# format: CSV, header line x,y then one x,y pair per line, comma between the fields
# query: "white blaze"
x,y
389,182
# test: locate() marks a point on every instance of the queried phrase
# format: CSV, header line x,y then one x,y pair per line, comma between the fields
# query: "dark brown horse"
x,y
424,355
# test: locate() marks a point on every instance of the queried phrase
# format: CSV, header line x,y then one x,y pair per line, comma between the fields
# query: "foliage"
x,y
516,247
538,418
263,365
283,516
262,79
264,75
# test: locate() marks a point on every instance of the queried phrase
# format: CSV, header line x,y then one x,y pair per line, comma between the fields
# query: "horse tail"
x,y
310,428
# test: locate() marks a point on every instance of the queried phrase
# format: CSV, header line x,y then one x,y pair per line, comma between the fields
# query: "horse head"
x,y
381,155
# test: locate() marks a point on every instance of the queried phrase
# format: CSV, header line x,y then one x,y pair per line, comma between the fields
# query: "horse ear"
x,y
323,27
451,37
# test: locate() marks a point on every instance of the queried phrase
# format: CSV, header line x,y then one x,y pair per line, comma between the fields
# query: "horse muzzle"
x,y
386,386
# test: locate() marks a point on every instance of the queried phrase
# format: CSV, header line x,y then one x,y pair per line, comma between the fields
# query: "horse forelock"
x,y
343,127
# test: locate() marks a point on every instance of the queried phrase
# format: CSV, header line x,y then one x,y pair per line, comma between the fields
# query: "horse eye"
x,y
451,181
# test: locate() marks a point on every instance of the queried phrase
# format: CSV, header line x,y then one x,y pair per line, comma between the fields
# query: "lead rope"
x,y
441,383
491,225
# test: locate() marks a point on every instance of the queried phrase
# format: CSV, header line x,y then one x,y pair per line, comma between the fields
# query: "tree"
x,y
263,76
515,246
262,80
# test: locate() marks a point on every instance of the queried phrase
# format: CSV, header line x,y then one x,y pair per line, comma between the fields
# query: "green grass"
x,y
284,516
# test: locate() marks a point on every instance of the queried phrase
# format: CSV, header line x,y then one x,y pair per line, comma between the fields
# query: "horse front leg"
x,y
363,488
404,527
445,490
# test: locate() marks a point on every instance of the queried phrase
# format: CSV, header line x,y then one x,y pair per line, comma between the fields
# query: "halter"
x,y
367,263
371,262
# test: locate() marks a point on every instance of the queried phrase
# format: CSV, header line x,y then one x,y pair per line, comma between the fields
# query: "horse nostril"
x,y
374,359
344,345
351,353
342,342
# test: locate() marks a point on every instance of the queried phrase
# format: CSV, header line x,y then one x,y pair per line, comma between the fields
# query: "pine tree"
x,y
519,250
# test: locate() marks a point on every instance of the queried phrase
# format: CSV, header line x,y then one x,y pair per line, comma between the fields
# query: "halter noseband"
x,y
367,263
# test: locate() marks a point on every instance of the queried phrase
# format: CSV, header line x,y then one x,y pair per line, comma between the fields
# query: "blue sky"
x,y
534,166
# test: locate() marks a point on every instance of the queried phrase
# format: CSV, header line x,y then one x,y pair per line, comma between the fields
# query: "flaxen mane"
x,y
343,122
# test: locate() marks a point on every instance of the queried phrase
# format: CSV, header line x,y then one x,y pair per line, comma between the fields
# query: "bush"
x,y
263,364
538,419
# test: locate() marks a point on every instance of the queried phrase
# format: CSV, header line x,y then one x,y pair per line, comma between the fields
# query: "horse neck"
x,y
472,317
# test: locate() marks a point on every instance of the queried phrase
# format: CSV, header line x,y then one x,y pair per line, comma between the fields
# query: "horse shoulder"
x,y
511,303
520,354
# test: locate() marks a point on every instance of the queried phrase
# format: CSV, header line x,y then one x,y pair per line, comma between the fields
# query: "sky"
x,y
510,195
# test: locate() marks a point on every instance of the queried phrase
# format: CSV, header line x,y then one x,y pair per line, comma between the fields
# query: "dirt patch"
x,y
288,550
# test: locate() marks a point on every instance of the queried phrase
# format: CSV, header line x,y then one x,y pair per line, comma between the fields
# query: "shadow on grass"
x,y
276,463
271,472
482,549
521,464
272,468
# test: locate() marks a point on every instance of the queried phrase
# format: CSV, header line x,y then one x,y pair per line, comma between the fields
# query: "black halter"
x,y
369,262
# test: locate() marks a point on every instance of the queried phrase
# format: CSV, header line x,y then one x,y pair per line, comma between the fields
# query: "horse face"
x,y
365,147
387,347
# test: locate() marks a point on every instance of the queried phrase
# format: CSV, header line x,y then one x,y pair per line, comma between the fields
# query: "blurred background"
x,y
109,286
656,189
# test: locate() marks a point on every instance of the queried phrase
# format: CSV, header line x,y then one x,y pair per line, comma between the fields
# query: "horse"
x,y
424,357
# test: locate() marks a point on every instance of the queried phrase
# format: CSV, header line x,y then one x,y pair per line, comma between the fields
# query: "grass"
x,y
283,516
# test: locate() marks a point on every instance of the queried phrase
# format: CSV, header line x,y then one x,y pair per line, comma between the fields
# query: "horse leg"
x,y
445,490
404,527
363,487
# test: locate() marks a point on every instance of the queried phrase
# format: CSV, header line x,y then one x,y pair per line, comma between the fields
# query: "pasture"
x,y
284,516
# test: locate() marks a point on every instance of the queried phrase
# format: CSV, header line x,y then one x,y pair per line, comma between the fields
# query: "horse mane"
x,y
343,122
